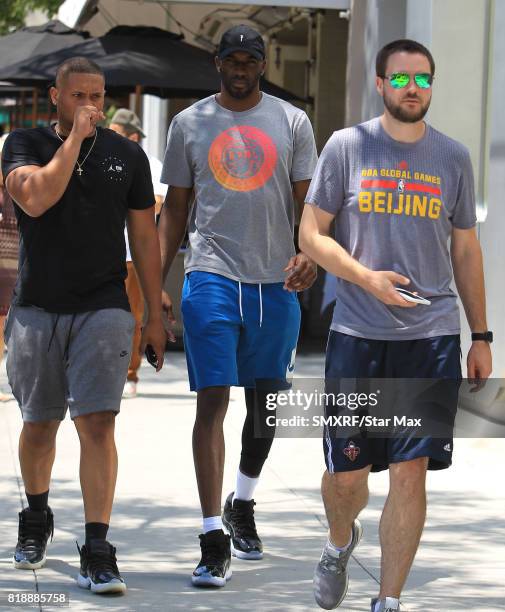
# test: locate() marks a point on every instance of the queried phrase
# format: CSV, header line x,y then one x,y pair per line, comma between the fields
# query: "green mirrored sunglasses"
x,y
399,80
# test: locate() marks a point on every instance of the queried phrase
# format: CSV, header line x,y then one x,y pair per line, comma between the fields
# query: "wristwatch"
x,y
485,336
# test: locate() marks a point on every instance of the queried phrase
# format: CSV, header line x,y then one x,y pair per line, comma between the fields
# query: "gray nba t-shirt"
x,y
395,205
242,166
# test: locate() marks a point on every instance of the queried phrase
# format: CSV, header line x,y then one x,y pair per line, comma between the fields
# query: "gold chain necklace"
x,y
79,164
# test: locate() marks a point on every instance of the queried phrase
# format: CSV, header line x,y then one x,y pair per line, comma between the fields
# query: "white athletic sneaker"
x,y
130,389
385,605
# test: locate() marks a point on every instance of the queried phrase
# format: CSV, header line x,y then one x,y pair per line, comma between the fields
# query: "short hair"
x,y
404,44
77,65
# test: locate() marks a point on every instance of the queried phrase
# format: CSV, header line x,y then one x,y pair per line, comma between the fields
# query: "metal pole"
x,y
138,99
23,109
35,106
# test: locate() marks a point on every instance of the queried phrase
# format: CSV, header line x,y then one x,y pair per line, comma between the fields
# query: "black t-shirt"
x,y
72,258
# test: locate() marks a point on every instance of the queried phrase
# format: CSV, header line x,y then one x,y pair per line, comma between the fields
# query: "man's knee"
x,y
409,477
40,435
212,404
346,483
96,428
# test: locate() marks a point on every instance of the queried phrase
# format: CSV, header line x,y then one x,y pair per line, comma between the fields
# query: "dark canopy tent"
x,y
158,61
29,42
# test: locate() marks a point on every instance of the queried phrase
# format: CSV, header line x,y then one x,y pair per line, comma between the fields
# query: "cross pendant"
x,y
79,171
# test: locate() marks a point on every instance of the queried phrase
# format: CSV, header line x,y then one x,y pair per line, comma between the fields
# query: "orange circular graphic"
x,y
242,158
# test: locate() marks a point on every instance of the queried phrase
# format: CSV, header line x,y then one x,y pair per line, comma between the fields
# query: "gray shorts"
x,y
78,361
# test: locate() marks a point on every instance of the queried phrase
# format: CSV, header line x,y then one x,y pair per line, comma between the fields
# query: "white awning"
x,y
70,11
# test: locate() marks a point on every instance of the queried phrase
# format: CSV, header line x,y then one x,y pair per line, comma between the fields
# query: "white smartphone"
x,y
412,297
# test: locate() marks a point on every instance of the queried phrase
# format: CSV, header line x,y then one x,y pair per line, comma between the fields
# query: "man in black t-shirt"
x,y
69,328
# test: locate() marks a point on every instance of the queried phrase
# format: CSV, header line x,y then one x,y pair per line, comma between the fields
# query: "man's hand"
x,y
85,120
302,272
154,334
479,364
168,309
382,285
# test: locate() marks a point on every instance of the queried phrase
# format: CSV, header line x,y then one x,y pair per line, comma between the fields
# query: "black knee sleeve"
x,y
255,449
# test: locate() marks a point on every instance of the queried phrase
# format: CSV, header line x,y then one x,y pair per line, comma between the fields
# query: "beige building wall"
x,y
460,45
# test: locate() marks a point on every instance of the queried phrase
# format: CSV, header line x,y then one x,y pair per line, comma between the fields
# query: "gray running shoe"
x,y
386,605
330,577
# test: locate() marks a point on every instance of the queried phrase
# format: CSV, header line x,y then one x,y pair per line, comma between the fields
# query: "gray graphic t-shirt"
x,y
395,205
242,166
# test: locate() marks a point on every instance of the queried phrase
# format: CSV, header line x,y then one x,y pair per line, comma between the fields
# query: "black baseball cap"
x,y
242,38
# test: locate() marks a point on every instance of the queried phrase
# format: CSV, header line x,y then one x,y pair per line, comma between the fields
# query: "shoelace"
x,y
33,533
212,551
242,516
331,563
101,561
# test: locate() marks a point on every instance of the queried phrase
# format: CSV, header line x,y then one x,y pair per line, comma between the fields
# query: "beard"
x,y
403,114
239,94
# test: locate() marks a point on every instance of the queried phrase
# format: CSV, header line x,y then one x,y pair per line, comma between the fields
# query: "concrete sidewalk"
x,y
156,518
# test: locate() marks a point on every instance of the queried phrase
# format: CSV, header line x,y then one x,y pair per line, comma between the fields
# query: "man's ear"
x,y
217,61
53,94
379,84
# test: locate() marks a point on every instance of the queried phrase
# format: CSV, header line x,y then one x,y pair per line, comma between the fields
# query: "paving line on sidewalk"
x,y
323,524
13,456
18,482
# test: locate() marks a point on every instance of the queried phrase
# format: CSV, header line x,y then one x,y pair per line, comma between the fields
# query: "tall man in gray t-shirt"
x,y
244,154
399,191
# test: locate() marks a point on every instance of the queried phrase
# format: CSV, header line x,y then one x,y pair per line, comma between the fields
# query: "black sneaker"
x,y
214,567
239,521
99,570
35,527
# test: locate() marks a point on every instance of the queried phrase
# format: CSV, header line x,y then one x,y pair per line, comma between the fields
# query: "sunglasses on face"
x,y
399,80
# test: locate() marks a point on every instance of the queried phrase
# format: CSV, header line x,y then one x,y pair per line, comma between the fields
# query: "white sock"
x,y
211,523
391,602
335,549
245,487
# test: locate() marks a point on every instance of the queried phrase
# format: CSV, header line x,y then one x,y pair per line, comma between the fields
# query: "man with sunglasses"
x,y
399,191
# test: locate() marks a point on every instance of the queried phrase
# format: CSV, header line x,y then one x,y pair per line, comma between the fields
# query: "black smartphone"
x,y
151,356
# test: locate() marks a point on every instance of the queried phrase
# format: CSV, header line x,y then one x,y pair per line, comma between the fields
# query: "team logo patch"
x,y
242,158
351,451
114,168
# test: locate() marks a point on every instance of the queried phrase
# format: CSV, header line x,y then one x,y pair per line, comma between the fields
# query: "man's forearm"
x,y
38,191
469,277
146,258
171,230
334,259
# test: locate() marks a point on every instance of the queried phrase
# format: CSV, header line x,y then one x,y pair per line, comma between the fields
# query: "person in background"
x,y
126,123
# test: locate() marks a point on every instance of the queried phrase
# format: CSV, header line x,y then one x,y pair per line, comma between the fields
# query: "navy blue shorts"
x,y
238,333
361,358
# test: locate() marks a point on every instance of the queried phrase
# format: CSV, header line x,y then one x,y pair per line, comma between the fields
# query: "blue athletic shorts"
x,y
236,333
352,357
